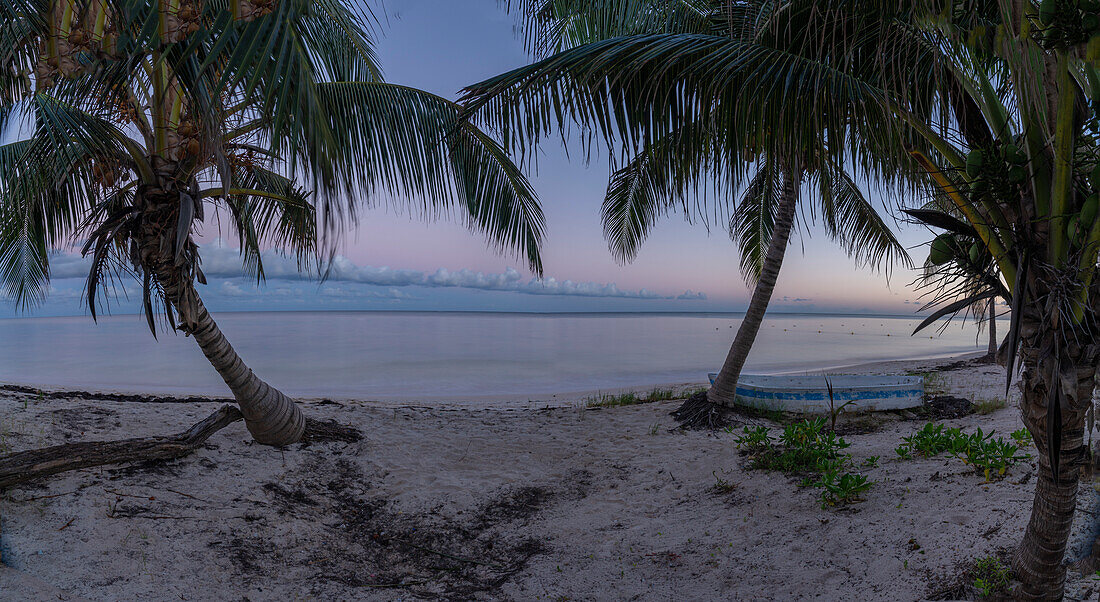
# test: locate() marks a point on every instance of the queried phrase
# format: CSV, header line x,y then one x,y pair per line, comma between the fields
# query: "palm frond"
x,y
853,222
754,218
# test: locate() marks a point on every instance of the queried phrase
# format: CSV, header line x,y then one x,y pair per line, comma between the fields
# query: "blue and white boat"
x,y
810,394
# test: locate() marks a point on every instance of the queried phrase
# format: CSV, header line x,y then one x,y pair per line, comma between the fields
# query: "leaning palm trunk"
x,y
271,417
724,389
1039,559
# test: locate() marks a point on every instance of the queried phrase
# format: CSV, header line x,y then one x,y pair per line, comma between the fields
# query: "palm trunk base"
x,y
273,419
1038,562
271,416
698,412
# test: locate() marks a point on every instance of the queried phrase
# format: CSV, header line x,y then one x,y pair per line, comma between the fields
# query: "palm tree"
x,y
150,118
652,48
1008,92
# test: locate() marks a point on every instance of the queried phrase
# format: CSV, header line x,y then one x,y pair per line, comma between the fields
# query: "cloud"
x,y
68,265
222,261
231,289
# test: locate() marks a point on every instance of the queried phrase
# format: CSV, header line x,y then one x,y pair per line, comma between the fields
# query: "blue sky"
x,y
392,261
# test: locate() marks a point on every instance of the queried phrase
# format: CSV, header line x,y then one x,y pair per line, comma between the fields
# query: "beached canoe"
x,y
809,394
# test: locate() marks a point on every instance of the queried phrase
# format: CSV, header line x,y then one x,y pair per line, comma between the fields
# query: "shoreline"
x,y
502,401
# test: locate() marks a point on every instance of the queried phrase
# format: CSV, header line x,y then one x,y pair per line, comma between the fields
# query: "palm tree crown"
x,y
149,118
696,94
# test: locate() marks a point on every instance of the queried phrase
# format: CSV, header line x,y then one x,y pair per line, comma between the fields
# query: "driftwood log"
x,y
36,463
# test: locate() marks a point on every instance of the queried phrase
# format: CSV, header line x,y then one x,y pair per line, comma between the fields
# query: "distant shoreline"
x,y
573,314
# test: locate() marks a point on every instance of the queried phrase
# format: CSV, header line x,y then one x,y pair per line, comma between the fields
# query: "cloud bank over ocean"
x,y
223,261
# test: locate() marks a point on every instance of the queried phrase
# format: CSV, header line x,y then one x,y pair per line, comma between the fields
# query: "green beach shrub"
x,y
809,449
838,489
990,456
991,576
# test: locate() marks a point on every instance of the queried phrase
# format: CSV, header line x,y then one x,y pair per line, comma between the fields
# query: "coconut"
x,y
942,249
1013,155
974,162
1089,210
1073,229
1048,9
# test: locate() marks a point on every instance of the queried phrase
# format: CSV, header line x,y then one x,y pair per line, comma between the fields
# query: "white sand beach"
x,y
487,503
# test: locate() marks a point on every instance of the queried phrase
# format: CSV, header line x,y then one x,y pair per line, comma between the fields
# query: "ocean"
x,y
450,356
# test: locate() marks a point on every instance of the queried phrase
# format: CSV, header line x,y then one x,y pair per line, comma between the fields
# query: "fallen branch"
x,y
36,463
33,464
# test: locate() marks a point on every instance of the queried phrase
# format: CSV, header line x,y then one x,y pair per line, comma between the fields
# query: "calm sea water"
x,y
387,356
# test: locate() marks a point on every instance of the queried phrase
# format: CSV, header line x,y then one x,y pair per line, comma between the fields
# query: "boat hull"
x,y
810,395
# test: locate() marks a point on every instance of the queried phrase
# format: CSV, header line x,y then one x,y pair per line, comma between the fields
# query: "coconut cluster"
x,y
996,172
182,21
183,140
950,247
253,9
107,173
1067,22
79,30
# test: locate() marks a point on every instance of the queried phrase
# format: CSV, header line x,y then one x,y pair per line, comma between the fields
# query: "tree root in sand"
x,y
319,431
699,413
38,463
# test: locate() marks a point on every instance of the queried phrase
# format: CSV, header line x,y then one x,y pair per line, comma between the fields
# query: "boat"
x,y
810,394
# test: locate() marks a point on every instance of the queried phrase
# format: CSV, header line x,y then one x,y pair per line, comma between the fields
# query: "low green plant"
x,y
992,456
991,576
838,489
988,406
753,439
871,462
722,485
659,394
807,448
930,440
607,400
834,410
933,382
1022,438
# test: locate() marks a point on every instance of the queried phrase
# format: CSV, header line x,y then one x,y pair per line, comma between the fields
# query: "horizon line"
x,y
506,312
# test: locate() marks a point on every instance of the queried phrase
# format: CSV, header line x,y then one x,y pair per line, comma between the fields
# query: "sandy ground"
x,y
563,503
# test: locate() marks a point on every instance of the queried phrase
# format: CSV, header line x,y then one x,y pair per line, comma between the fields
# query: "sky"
x,y
392,261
